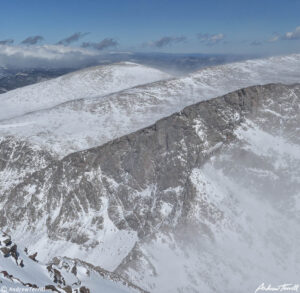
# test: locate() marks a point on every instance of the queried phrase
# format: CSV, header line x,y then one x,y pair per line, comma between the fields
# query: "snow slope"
x,y
85,123
86,83
205,200
243,227
170,199
19,271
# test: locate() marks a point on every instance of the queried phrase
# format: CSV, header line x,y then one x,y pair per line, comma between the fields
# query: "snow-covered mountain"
x,y
88,118
205,200
20,270
86,83
21,154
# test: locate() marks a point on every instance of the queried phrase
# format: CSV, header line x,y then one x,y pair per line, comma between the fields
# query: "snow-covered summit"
x,y
85,83
81,124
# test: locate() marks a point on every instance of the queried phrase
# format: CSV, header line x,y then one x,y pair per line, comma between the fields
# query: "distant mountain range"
x,y
12,79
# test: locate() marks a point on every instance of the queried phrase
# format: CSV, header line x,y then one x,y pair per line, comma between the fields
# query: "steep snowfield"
x,y
19,271
86,83
85,123
205,200
243,227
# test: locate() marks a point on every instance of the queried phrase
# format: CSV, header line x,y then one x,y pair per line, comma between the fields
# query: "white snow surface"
x,y
86,83
36,273
107,247
87,118
244,223
246,212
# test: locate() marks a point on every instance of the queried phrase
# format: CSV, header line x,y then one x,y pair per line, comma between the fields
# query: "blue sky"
x,y
190,26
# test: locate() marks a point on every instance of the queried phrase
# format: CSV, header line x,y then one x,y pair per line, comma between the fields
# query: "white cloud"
x,y
274,39
51,56
104,44
256,43
166,41
295,35
211,39
71,39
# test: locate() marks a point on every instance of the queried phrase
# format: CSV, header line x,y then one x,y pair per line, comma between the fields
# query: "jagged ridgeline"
x,y
24,272
207,193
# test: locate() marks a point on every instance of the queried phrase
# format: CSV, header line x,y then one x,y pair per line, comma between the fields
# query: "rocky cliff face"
x,y
18,159
197,197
